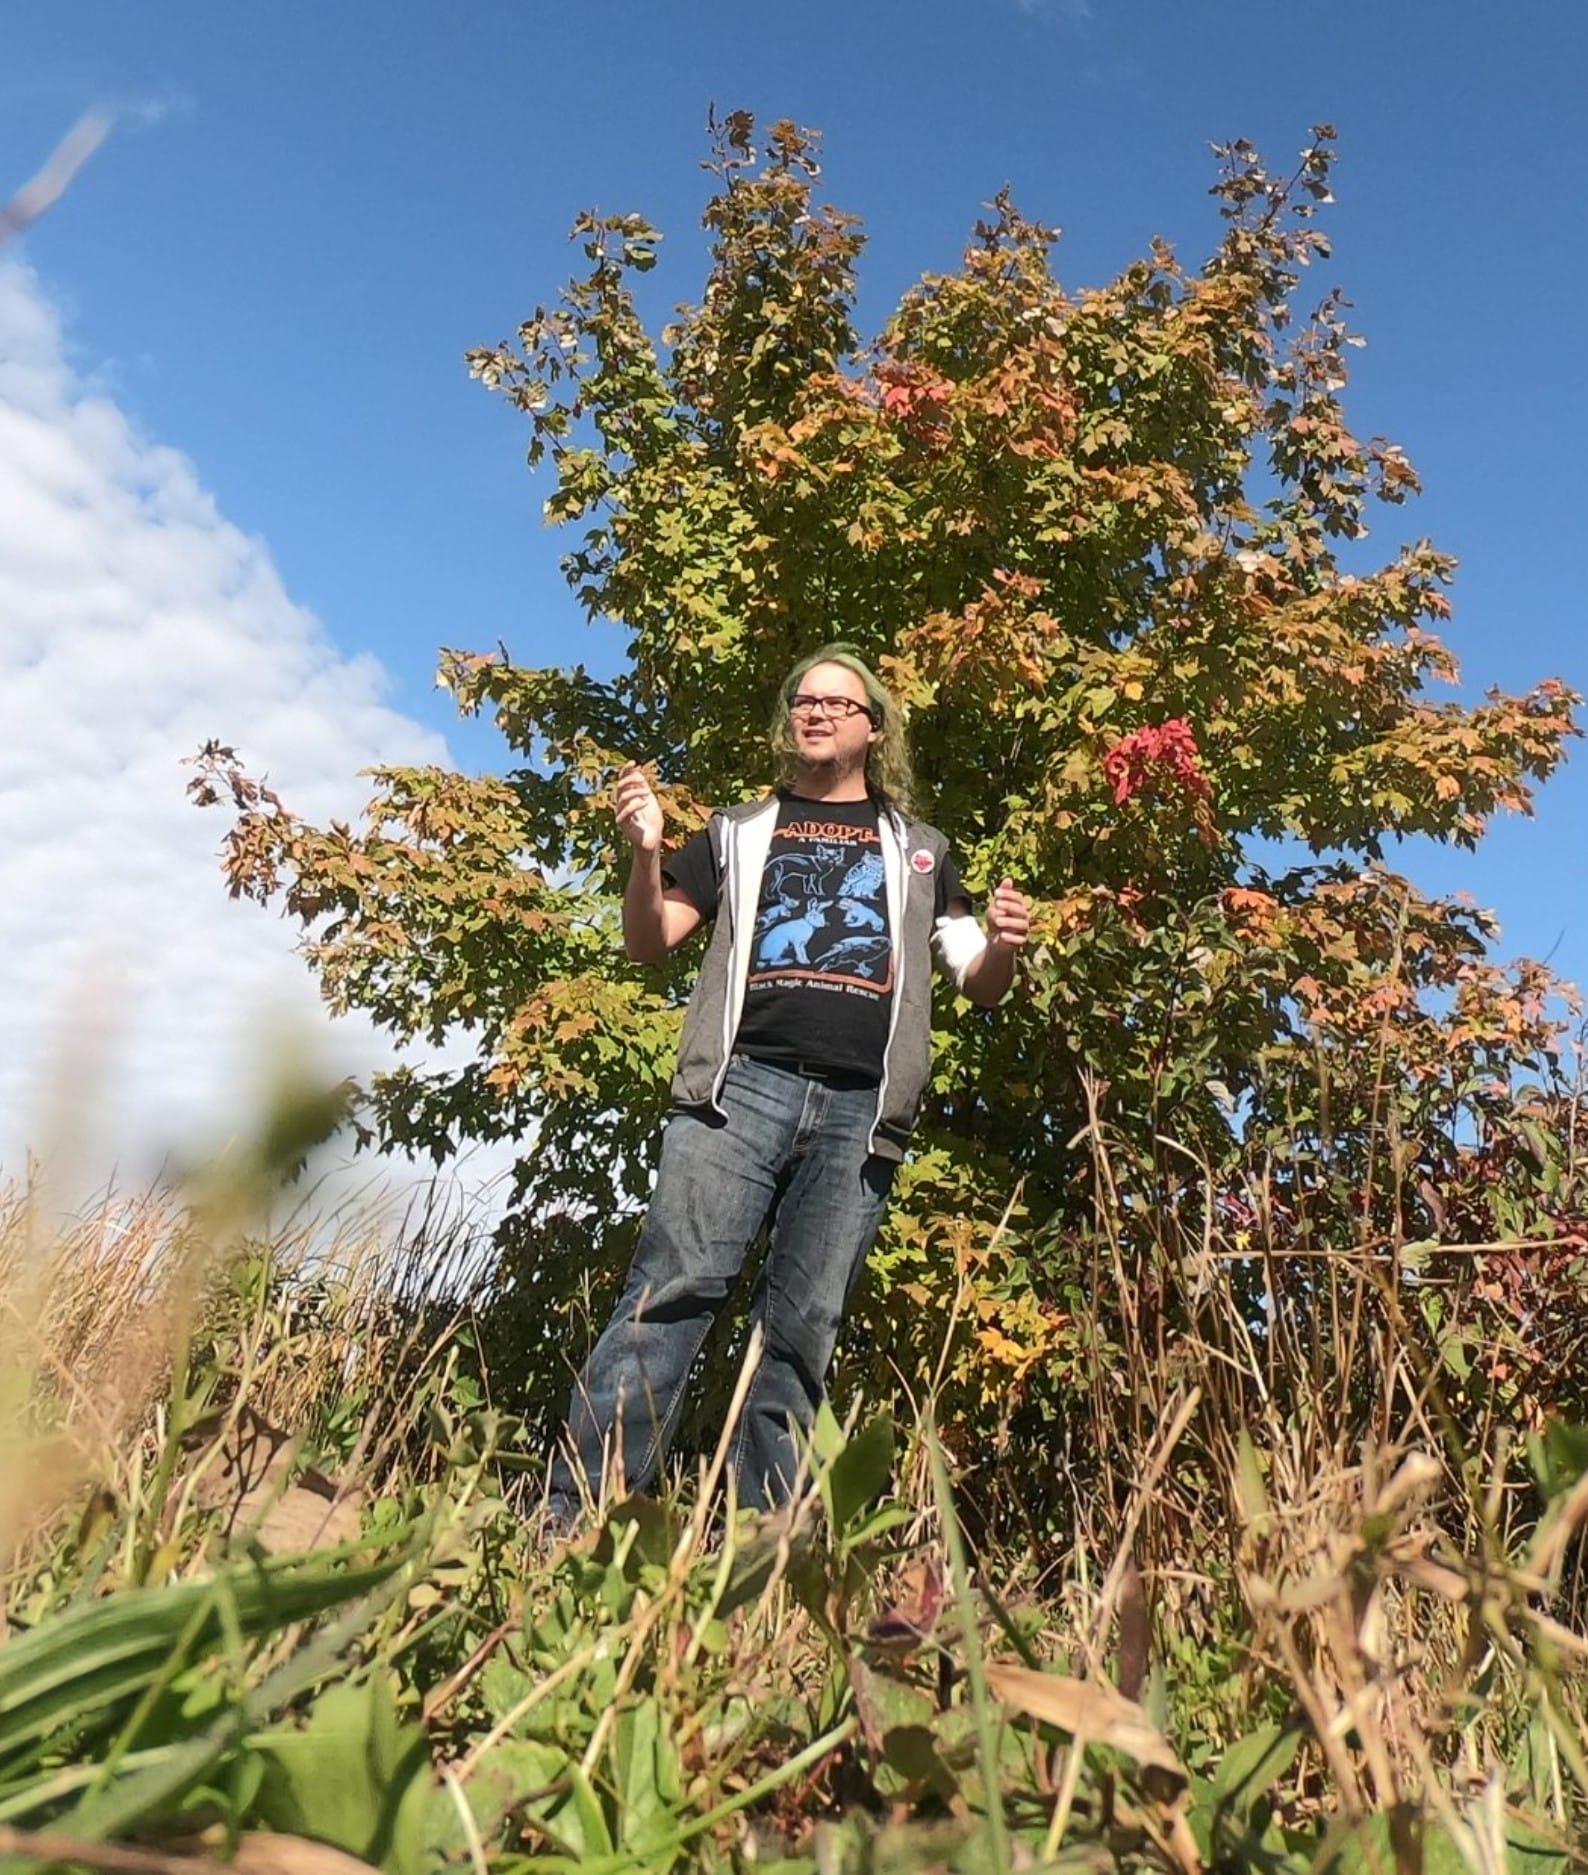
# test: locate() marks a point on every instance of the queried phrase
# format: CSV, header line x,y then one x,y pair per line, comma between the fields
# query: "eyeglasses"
x,y
840,708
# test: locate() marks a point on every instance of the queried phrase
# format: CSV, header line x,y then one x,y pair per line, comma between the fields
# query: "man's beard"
x,y
832,766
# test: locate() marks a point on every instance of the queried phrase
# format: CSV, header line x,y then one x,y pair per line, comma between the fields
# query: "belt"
x,y
841,1080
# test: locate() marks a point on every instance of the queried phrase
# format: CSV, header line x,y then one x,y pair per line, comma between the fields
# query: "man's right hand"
x,y
656,916
639,813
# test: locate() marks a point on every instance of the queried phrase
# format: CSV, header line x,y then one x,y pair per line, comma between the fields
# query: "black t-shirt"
x,y
820,983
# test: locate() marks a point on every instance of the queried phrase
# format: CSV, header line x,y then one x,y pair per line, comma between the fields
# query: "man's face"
x,y
829,737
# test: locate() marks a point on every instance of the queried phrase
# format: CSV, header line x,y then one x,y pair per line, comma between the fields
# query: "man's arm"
x,y
657,917
1008,924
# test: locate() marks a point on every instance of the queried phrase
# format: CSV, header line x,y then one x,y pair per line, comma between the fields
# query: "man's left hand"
x,y
1008,918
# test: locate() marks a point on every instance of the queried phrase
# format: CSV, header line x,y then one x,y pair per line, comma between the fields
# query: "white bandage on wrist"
x,y
960,941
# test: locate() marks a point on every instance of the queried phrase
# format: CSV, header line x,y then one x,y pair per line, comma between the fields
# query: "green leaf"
x,y
1249,1479
827,1436
81,1665
886,1701
516,1774
655,1530
1559,1456
579,1822
647,1778
353,1776
1254,1764
860,1473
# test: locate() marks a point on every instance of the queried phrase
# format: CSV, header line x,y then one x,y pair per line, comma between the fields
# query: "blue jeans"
x,y
791,1152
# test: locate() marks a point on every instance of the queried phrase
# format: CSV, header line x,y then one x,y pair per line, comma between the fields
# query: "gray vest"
x,y
742,838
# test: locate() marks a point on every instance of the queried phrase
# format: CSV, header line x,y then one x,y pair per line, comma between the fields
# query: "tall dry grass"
x,y
1321,1470
147,1338
92,1306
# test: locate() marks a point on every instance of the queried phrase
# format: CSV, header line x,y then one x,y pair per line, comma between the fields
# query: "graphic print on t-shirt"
x,y
823,921
820,979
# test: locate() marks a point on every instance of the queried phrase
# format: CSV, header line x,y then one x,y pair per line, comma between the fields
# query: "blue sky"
x,y
307,212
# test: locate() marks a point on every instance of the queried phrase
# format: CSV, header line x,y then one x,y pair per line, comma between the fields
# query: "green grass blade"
x,y
92,1658
987,1716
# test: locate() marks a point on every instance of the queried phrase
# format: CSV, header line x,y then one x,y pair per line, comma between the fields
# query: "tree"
x,y
1106,546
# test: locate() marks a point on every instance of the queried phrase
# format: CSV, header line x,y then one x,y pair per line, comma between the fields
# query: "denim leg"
x,y
715,1184
827,1219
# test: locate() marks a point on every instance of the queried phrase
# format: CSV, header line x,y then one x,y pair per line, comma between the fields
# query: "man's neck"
x,y
822,784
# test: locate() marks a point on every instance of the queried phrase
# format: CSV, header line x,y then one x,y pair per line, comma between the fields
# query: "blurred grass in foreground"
x,y
273,1591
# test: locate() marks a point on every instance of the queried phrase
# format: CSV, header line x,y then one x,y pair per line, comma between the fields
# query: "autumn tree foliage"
x,y
1111,546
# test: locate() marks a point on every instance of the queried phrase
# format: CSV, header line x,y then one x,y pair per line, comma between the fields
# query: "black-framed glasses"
x,y
840,708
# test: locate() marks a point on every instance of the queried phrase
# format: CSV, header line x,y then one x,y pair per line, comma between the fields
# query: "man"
x,y
804,1060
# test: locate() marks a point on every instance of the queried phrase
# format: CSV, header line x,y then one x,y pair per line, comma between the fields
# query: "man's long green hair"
x,y
888,772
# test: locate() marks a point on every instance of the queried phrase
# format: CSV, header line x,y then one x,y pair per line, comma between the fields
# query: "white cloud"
x,y
135,621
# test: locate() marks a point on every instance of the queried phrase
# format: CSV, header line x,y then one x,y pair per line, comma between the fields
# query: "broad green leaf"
x,y
1254,1764
860,1473
352,1775
1559,1456
514,1775
827,1436
647,1780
